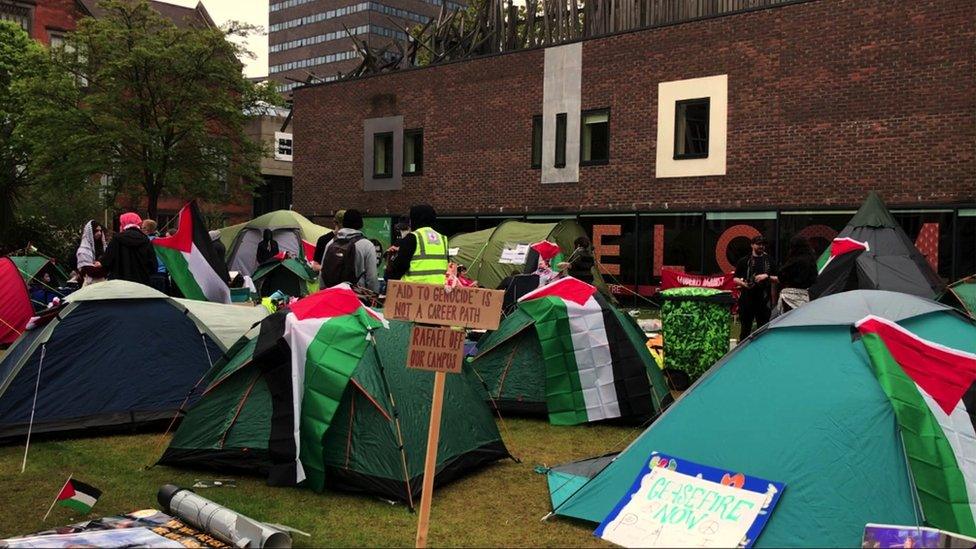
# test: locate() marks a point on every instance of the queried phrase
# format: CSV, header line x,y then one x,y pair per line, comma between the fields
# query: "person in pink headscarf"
x,y
130,255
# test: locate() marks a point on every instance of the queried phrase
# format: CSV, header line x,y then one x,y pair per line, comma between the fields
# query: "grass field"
x,y
498,506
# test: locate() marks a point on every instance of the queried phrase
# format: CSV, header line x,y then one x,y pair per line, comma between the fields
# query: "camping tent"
x,y
33,266
289,229
796,403
961,294
15,305
357,402
527,367
481,251
291,276
116,353
890,262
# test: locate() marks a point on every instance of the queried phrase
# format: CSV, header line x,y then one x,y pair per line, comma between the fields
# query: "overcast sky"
x,y
254,12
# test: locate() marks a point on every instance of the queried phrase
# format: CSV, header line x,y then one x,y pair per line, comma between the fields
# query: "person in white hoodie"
x,y
350,257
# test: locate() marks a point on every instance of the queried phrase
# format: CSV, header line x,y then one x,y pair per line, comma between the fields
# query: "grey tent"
x,y
891,262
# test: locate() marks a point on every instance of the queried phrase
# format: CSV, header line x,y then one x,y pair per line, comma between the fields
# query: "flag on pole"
x,y
932,389
590,372
547,250
78,496
193,263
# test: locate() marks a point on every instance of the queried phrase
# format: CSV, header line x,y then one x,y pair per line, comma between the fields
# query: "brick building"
x,y
308,37
44,20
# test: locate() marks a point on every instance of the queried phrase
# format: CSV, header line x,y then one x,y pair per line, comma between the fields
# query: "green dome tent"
x,y
961,294
529,365
357,402
33,266
291,276
481,251
799,403
290,228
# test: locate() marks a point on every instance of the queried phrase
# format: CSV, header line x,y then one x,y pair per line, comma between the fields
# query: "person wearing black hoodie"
x,y
422,217
130,255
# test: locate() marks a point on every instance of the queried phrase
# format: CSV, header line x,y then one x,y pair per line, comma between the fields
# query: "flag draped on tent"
x,y
838,247
588,378
327,334
189,256
932,389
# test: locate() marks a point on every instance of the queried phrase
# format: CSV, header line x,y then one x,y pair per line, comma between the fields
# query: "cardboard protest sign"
x,y
432,304
436,349
677,503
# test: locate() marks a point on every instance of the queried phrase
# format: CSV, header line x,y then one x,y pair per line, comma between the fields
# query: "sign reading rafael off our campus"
x,y
673,145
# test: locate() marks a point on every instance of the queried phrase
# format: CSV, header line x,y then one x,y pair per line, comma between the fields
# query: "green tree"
x,y
162,107
28,154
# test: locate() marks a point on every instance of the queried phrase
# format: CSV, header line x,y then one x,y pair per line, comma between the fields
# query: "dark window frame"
x,y
559,158
536,145
707,101
601,161
408,134
387,153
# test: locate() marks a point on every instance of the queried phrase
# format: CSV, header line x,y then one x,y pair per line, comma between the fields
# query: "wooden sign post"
x,y
439,349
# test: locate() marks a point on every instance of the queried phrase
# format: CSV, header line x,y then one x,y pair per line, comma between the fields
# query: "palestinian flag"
x,y
591,374
932,389
325,335
839,247
78,496
196,268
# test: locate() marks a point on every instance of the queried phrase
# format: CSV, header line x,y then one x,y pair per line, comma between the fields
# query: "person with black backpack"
x,y
350,257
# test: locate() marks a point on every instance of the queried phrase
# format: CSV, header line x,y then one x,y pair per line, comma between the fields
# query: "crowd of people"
x,y
129,255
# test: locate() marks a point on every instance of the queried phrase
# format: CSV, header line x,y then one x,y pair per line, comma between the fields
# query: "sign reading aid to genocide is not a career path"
x,y
433,304
677,503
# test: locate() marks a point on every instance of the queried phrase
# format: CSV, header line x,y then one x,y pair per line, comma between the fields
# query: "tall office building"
x,y
311,37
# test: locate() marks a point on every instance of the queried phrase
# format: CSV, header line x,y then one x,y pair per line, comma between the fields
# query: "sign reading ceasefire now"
x,y
432,304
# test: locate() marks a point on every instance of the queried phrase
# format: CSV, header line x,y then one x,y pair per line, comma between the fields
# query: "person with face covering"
x,y
89,252
268,247
130,255
423,253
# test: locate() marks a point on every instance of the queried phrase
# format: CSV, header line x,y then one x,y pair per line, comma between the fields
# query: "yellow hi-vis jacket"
x,y
429,262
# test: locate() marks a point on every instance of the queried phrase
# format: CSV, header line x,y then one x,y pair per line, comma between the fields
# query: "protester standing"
x,y
267,248
218,245
130,255
423,253
323,241
579,265
754,275
798,273
89,252
350,257
160,279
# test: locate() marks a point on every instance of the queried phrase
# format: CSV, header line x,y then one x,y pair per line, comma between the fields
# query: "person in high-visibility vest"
x,y
423,253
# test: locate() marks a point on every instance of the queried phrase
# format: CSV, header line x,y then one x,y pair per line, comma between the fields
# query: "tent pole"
x,y
396,420
30,426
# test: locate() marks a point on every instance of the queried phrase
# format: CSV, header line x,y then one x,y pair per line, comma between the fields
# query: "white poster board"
x,y
671,509
514,254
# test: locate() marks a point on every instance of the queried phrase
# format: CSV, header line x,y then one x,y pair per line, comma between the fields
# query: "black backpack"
x,y
339,262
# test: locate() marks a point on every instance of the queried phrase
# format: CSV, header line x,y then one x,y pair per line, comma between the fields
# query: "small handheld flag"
x,y
76,495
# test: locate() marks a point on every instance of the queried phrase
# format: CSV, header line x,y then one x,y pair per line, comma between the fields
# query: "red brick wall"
x,y
827,99
56,15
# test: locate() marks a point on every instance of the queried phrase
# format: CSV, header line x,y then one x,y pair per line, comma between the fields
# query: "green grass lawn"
x,y
500,505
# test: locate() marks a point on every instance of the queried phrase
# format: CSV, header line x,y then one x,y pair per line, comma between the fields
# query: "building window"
x,y
383,154
283,146
537,141
691,128
413,152
560,161
17,13
595,137
57,39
